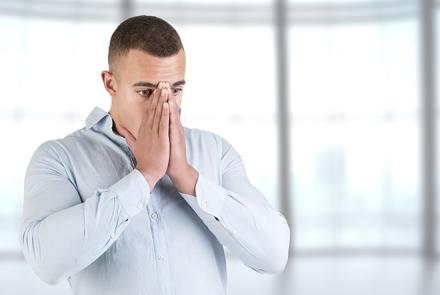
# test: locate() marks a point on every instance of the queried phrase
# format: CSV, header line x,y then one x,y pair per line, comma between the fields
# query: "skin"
x,y
149,122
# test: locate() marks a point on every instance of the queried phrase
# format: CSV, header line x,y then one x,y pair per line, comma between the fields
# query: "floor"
x,y
305,275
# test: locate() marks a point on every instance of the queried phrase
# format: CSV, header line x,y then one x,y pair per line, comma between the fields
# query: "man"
x,y
135,203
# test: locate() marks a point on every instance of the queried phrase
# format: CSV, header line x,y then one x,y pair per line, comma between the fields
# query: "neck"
x,y
115,124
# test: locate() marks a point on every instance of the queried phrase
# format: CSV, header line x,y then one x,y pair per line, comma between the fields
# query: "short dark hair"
x,y
147,33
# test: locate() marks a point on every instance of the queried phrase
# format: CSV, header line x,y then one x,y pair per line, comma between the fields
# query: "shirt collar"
x,y
95,116
102,121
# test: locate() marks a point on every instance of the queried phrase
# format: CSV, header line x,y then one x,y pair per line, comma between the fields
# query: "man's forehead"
x,y
142,69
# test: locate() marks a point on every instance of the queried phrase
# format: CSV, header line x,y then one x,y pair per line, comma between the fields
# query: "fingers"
x,y
174,111
164,122
158,113
151,107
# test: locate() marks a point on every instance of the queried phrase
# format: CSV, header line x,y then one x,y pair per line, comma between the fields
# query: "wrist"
x,y
186,181
150,179
180,173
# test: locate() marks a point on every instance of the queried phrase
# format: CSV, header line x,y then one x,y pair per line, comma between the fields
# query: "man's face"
x,y
136,75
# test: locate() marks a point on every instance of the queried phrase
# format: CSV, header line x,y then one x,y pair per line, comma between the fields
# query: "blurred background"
x,y
331,103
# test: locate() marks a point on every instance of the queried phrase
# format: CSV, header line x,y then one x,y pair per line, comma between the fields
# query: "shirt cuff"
x,y
209,199
133,192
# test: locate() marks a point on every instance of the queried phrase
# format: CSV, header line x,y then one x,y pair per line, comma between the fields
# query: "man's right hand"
x,y
151,148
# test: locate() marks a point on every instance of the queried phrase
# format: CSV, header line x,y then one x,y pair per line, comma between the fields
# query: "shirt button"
x,y
154,215
112,235
160,258
140,204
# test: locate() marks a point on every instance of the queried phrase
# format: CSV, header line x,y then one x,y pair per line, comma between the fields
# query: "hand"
x,y
182,174
151,147
178,162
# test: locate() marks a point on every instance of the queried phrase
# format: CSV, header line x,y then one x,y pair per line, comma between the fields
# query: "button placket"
x,y
159,243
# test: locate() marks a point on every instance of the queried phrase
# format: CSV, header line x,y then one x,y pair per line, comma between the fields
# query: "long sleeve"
x,y
240,216
59,234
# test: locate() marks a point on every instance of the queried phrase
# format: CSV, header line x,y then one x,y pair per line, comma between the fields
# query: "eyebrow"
x,y
152,85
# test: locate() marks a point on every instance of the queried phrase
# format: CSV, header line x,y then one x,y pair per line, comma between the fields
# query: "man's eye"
x,y
177,90
145,92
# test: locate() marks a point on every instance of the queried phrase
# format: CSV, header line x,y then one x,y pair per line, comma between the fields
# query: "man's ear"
x,y
109,82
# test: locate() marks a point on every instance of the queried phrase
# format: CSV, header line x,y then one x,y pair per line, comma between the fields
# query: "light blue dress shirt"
x,y
90,217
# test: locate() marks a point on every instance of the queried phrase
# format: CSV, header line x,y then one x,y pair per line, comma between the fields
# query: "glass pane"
x,y
51,88
355,135
354,183
230,90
